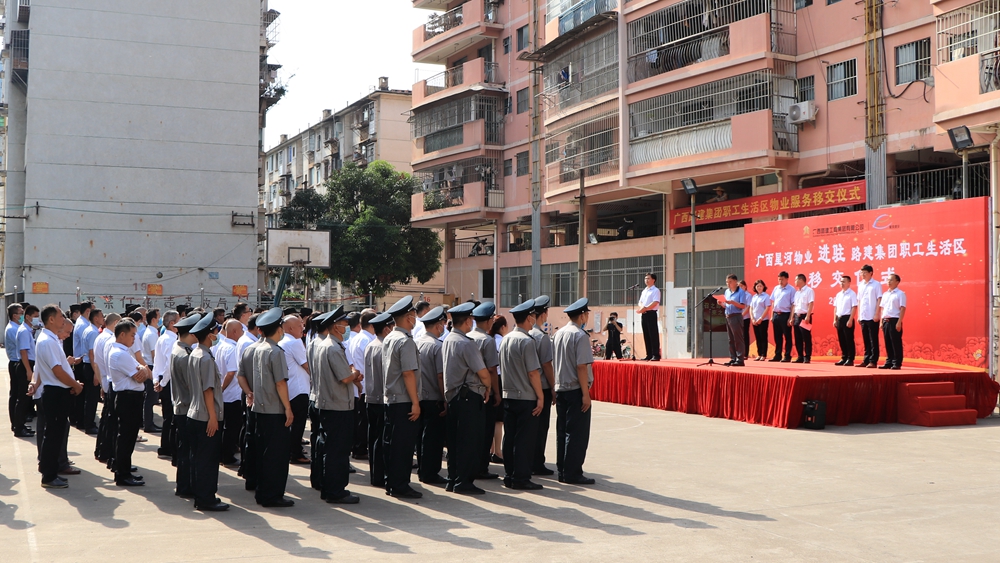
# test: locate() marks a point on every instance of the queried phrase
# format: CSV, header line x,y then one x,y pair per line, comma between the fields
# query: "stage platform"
x,y
772,393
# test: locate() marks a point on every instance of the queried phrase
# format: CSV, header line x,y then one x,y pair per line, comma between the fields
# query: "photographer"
x,y
614,343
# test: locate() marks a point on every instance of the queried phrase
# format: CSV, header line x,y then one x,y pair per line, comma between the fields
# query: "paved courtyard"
x,y
670,487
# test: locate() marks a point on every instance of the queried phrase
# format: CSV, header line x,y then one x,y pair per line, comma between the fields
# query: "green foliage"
x,y
367,211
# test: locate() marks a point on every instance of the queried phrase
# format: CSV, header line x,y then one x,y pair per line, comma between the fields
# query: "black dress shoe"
x,y
469,490
450,487
543,471
525,486
346,499
216,506
738,364
496,459
896,367
405,493
280,503
57,483
435,480
184,495
799,360
729,363
92,431
807,360
137,477
153,430
886,366
487,475
129,482
840,363
581,480
775,359
872,366
786,360
849,365
69,471
654,359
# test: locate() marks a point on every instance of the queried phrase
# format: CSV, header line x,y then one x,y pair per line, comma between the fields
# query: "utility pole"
x,y
536,181
581,267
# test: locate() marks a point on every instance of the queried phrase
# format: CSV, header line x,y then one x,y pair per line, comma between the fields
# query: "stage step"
x,y
933,404
956,417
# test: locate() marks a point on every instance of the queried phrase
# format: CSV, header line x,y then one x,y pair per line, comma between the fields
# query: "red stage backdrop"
x,y
940,250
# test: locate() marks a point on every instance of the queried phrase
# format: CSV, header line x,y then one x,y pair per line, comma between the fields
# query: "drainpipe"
x,y
811,176
994,243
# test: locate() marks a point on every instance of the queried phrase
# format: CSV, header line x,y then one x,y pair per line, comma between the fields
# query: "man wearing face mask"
x,y
572,362
228,363
273,413
335,402
483,315
149,334
26,356
16,405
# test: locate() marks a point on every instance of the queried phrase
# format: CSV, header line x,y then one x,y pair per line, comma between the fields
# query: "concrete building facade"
x,y
132,151
751,96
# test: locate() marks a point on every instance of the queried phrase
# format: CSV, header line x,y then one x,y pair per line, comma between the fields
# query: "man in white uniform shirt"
x,y
128,378
893,310
845,310
364,334
107,428
149,333
869,295
803,313
161,382
227,360
59,387
298,384
649,305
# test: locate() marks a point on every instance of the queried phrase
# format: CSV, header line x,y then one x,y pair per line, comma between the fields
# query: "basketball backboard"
x,y
290,247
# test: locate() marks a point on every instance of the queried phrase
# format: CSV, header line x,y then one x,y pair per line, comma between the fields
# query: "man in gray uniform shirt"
x,y
484,316
572,362
401,366
522,399
273,412
180,396
316,436
374,398
543,343
204,418
433,428
466,387
244,376
335,402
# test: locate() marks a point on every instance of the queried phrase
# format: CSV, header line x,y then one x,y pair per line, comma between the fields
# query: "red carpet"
x,y
772,393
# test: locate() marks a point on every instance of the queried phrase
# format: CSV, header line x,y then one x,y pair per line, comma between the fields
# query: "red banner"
x,y
940,250
783,203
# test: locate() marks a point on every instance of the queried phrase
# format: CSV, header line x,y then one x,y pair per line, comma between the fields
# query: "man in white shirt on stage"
x,y
649,305
869,295
845,311
893,310
803,313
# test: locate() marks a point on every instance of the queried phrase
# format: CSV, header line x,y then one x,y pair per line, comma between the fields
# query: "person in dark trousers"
x,y
59,388
484,315
273,412
523,399
543,345
25,366
466,388
375,398
401,369
613,346
893,311
845,311
746,321
180,395
206,416
149,333
760,315
128,379
869,314
782,301
804,301
572,362
35,389
17,402
433,425
245,347
649,306
736,302
335,402
161,383
107,428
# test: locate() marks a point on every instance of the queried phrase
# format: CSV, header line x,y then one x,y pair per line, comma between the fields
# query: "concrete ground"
x,y
671,487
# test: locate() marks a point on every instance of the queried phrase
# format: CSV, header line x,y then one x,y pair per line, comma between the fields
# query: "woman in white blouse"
x,y
760,312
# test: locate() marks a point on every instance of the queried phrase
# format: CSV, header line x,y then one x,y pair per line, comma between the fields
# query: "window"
x,y
506,45
507,105
486,291
841,80
608,280
551,152
522,38
508,167
559,283
522,163
522,100
515,285
805,89
711,267
799,4
291,153
913,61
828,2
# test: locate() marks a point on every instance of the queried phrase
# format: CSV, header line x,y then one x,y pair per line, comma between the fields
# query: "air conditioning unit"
x,y
802,112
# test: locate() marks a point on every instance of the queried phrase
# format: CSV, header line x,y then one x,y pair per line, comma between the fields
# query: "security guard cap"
x,y
271,318
188,321
333,316
578,306
462,309
380,320
434,315
319,320
401,307
542,303
484,312
206,324
525,307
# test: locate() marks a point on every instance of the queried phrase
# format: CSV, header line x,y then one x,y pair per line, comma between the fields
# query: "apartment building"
x,y
132,151
372,128
556,138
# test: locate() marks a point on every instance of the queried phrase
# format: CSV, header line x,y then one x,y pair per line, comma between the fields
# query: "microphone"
x,y
636,286
714,291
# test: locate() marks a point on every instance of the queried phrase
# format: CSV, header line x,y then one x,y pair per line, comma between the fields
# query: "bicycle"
x,y
597,349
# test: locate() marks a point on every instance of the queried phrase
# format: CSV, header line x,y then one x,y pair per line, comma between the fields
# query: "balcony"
x,y
334,145
946,183
477,73
474,246
445,34
451,202
967,85
268,28
23,11
583,12
457,125
19,55
437,5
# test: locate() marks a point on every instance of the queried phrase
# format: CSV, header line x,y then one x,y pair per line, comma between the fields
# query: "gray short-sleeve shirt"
x,y
461,360
543,344
571,348
180,385
487,346
518,357
332,368
431,364
269,368
399,354
373,369
203,374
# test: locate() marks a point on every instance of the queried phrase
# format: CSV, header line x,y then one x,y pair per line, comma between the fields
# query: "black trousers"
x,y
746,337
650,334
39,426
205,453
572,433
184,486
57,403
107,429
360,449
760,334
376,458
248,461
128,410
168,436
273,445
543,430
803,338
232,424
300,412
149,400
19,402
433,432
338,439
465,418
612,346
520,430
399,438
893,343
845,334
317,445
869,332
490,418
86,402
782,335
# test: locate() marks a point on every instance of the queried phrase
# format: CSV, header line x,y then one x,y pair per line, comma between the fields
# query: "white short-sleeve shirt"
x,y
892,301
226,360
295,357
149,338
649,296
102,346
123,365
844,302
868,295
48,354
803,298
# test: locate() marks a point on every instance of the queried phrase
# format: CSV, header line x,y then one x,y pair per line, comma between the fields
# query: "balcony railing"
x,y
583,12
19,40
23,10
443,80
989,72
968,30
942,183
444,139
709,45
474,246
686,141
786,135
269,28
440,23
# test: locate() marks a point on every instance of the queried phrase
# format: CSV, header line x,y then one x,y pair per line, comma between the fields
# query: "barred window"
x,y
913,61
551,152
522,38
608,280
455,113
842,80
583,73
805,89
559,282
522,100
508,167
506,45
711,268
515,285
522,163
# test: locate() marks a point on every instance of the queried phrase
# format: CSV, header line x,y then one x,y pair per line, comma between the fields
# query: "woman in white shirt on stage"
x,y
760,312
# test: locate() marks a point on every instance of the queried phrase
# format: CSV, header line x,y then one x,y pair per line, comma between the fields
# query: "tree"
x,y
367,211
